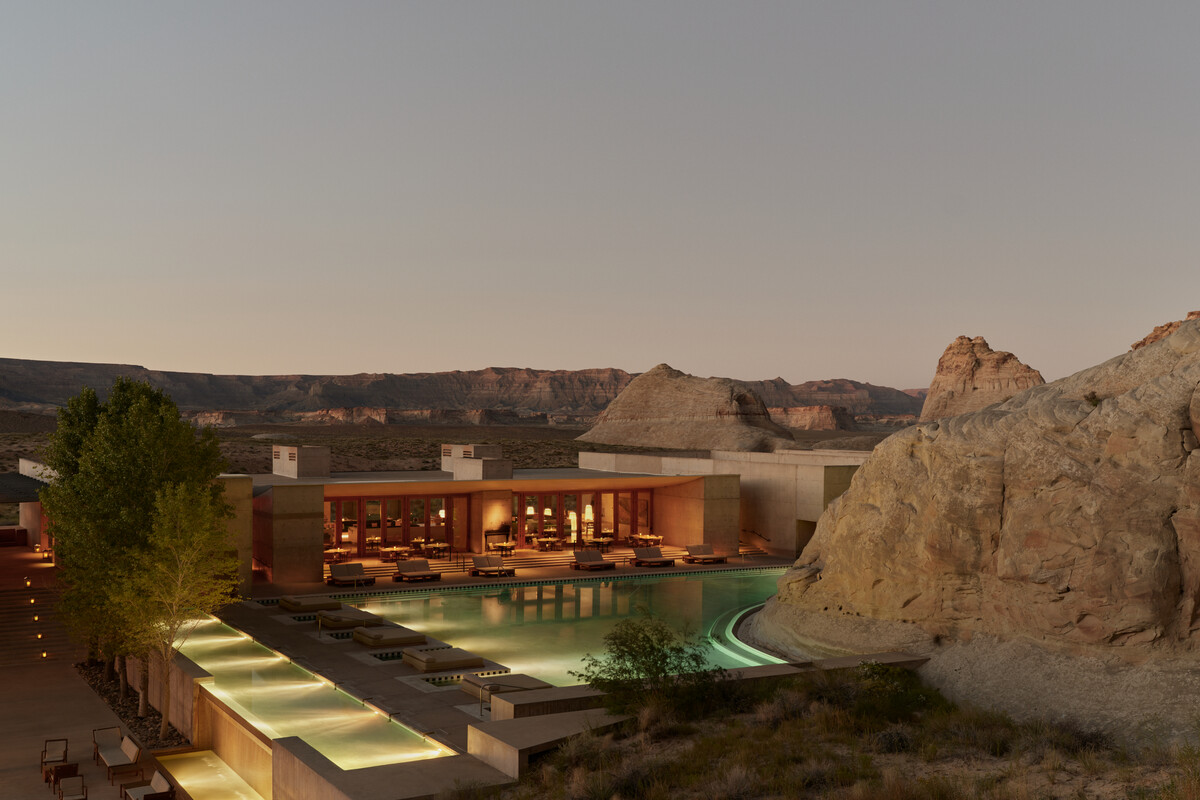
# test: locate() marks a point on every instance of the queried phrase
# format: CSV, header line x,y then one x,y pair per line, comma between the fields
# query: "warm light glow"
x,y
43,654
31,601
28,582
549,512
39,636
35,617
442,513
587,513
530,511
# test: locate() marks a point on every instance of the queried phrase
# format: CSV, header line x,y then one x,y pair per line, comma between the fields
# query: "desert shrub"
x,y
646,661
988,732
892,739
894,694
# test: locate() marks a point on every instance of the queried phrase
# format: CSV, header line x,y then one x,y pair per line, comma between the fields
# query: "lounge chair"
x,y
388,636
158,788
348,575
105,738
348,618
437,659
415,569
650,557
490,566
124,759
591,559
72,788
702,554
308,604
54,753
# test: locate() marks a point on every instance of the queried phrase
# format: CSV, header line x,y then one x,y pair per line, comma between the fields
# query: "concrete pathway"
x,y
41,698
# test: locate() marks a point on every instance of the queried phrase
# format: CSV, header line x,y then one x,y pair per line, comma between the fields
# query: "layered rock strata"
x,y
971,376
668,408
1163,331
813,418
1062,523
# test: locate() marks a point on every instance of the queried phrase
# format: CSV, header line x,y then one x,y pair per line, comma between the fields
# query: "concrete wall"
x,y
300,462
702,510
478,469
239,494
782,494
30,517
489,510
289,533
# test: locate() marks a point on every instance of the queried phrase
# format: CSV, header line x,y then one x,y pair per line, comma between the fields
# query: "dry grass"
x,y
820,740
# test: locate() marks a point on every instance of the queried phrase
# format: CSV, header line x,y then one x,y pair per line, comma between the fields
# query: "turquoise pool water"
x,y
282,699
544,630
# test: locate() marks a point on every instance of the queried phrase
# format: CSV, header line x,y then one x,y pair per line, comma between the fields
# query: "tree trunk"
x,y
143,687
166,699
110,668
123,674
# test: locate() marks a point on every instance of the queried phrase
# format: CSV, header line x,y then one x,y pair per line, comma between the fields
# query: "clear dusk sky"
x,y
745,189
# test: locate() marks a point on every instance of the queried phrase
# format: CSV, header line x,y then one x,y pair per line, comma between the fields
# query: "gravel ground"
x,y
143,729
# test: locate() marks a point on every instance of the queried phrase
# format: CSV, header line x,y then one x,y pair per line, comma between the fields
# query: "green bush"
x,y
646,662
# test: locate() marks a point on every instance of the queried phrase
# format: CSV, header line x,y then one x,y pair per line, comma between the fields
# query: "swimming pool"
x,y
282,699
544,629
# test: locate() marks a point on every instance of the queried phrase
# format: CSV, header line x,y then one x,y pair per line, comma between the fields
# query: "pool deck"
x,y
45,698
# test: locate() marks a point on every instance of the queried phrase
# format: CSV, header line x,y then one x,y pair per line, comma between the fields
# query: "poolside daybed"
x,y
491,566
650,557
591,559
702,554
416,569
348,618
348,575
308,604
436,659
388,636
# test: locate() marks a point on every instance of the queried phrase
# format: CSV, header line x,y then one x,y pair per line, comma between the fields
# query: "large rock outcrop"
x,y
1163,331
813,418
971,376
1063,523
668,408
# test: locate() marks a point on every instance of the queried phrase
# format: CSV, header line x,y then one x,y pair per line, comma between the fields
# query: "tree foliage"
x,y
185,572
646,661
112,459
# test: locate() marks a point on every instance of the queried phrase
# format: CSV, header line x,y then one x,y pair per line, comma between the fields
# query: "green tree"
x,y
646,661
111,459
186,571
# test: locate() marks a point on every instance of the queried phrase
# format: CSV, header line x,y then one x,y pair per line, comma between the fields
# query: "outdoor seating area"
x,y
122,759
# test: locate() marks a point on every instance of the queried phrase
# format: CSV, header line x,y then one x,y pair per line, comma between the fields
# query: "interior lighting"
x,y
442,513
28,582
35,617
43,654
39,636
32,601
587,513
530,511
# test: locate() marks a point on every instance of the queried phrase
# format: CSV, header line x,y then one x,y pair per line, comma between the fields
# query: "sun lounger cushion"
x,y
302,604
348,618
388,636
490,565
416,569
441,658
591,559
349,574
702,554
158,786
650,557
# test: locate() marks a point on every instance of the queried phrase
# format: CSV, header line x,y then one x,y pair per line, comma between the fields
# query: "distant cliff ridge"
x,y
496,394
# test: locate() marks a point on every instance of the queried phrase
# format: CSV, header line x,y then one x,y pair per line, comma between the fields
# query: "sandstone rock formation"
x,y
1065,521
813,418
1162,331
971,376
857,398
668,408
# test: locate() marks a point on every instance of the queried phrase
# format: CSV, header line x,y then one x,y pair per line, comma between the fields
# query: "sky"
x,y
807,190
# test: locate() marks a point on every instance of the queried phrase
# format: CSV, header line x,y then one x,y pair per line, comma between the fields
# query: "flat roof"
x,y
18,488
565,477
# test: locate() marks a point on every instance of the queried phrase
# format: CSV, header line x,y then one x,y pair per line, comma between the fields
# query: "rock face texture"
x,y
971,376
813,418
1068,516
1162,331
668,408
857,398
